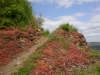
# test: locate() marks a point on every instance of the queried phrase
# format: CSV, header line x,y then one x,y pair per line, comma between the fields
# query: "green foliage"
x,y
97,69
68,27
46,32
2,27
54,38
95,54
27,67
16,13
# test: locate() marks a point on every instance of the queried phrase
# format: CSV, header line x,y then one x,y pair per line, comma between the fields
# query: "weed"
x,y
43,45
28,64
68,27
24,70
97,69
46,32
15,65
53,38
95,54
36,56
80,72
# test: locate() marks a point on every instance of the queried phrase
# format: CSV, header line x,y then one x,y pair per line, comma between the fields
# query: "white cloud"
x,y
90,29
85,1
92,33
37,1
53,24
97,9
79,14
64,3
42,1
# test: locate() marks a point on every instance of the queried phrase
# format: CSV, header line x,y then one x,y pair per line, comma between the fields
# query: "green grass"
x,y
53,38
29,64
46,33
95,54
43,45
95,70
27,67
15,65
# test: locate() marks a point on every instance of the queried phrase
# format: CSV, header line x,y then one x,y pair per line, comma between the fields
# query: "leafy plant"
x,y
68,27
53,37
15,13
46,32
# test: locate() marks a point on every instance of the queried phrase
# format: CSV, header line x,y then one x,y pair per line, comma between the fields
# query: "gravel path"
x,y
7,70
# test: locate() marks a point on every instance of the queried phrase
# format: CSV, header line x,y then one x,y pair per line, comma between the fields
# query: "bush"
x,y
46,32
68,27
40,20
16,13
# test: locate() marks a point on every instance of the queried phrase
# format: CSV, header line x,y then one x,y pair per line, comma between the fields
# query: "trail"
x,y
7,70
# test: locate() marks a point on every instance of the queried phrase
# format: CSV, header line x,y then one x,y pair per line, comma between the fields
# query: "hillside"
x,y
65,53
14,41
94,43
27,49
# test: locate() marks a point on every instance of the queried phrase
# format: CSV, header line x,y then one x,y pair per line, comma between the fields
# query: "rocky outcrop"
x,y
64,53
78,39
14,41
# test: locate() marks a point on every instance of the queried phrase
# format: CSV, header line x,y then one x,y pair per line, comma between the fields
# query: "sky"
x,y
82,14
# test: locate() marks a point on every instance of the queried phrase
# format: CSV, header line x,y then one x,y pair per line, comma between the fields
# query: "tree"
x,y
17,13
40,20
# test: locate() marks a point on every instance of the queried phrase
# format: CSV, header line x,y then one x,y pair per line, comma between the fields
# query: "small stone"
x,y
39,30
36,72
1,72
18,63
50,66
70,69
35,42
22,41
66,36
64,63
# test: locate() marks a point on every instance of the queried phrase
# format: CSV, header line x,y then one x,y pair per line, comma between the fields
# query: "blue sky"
x,y
83,14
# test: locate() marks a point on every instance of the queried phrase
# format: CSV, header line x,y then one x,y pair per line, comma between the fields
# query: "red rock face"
x,y
59,59
13,42
42,70
61,32
77,56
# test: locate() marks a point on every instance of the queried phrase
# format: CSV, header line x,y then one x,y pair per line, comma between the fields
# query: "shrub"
x,y
68,27
46,32
15,13
40,20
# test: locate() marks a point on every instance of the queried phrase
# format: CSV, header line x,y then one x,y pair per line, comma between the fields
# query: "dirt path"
x,y
21,58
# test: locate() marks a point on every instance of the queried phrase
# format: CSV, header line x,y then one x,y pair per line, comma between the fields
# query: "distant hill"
x,y
94,43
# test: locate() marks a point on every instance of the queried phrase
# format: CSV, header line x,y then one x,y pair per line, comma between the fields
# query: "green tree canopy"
x,y
15,13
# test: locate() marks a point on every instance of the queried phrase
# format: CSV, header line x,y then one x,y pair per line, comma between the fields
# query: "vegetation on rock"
x,y
65,53
67,27
14,41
